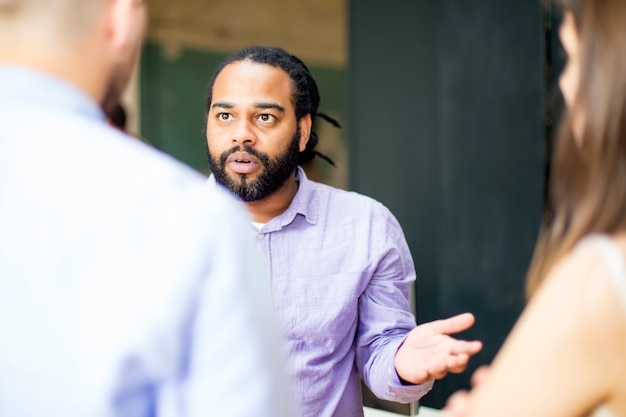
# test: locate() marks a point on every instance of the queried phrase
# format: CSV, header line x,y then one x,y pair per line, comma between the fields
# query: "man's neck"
x,y
276,203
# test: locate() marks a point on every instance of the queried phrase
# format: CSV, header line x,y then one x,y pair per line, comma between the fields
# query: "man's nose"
x,y
244,134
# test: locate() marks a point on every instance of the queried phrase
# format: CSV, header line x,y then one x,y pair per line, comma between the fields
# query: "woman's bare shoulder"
x,y
592,281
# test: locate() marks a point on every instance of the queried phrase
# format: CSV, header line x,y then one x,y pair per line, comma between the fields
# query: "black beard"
x,y
275,173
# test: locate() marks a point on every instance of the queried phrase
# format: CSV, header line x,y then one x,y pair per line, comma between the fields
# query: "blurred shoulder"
x,y
595,256
159,185
592,280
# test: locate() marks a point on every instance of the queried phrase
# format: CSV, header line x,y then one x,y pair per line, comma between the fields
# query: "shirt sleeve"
x,y
385,315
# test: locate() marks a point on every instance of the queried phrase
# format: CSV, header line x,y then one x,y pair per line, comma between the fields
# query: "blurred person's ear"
x,y
124,28
125,24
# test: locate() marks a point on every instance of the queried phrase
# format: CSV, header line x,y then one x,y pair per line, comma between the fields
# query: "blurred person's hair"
x,y
117,117
588,182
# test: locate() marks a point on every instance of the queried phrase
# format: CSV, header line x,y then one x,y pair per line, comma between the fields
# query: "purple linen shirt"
x,y
340,273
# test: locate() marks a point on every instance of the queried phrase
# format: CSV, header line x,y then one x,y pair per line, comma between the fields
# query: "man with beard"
x,y
339,263
121,287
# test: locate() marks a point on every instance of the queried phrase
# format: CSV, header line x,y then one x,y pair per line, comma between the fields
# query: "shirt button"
x,y
260,235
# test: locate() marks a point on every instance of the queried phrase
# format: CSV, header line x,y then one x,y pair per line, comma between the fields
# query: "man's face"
x,y
253,138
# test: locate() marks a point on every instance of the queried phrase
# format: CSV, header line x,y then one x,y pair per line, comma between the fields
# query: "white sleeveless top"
x,y
603,412
614,259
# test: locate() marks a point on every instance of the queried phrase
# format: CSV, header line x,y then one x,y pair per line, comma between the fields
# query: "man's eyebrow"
x,y
267,105
260,105
223,105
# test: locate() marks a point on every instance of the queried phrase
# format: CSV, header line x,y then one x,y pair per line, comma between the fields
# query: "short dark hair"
x,y
117,117
305,95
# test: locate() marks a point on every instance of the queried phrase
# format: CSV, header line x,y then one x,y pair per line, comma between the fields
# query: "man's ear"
x,y
305,131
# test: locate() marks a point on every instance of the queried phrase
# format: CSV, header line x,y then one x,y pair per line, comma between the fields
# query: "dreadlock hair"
x,y
305,95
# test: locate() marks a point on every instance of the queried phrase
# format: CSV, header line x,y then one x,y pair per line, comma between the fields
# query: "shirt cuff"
x,y
403,393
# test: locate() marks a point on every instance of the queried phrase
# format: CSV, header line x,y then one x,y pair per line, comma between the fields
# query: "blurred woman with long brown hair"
x,y
566,356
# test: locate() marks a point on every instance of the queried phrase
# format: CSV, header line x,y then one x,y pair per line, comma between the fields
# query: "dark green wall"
x,y
172,99
445,118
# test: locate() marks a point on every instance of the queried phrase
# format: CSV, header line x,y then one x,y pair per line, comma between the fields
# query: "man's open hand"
x,y
429,352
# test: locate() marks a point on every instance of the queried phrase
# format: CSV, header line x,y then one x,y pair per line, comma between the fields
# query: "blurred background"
x,y
447,108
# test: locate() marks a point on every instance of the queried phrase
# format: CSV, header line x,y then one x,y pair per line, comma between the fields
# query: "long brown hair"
x,y
588,181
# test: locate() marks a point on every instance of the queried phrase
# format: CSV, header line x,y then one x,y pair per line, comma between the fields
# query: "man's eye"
x,y
224,116
266,118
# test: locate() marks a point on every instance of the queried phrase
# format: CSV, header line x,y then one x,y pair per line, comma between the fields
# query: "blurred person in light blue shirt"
x,y
125,288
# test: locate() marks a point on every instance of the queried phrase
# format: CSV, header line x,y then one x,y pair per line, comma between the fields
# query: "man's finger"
x,y
466,347
457,364
454,324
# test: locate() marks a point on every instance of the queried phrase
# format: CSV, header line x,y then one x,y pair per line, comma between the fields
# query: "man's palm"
x,y
429,352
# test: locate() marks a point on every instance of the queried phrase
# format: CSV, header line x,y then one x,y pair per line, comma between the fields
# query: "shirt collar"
x,y
305,203
24,85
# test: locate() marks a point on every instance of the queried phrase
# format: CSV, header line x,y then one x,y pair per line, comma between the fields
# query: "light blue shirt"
x,y
340,273
125,289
